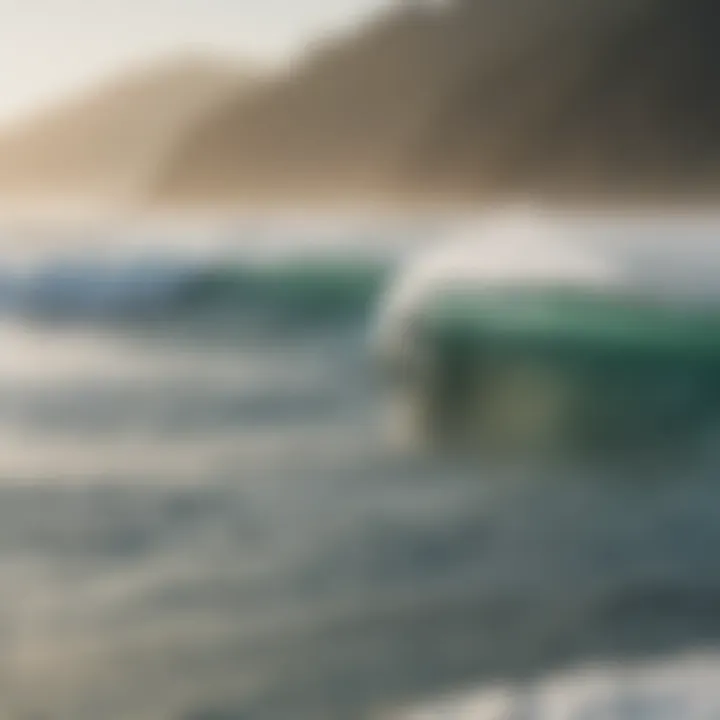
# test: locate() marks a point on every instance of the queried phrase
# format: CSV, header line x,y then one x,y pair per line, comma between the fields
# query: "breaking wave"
x,y
543,333
521,330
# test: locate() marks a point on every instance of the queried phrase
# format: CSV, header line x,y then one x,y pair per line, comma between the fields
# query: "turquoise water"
x,y
601,323
200,519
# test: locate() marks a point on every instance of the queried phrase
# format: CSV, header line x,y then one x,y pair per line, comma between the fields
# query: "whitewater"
x,y
201,517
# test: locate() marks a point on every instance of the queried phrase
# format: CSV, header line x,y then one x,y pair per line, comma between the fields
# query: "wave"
x,y
303,267
521,330
163,288
538,335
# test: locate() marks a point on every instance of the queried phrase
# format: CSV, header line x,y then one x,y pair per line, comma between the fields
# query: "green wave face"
x,y
575,321
337,281
521,368
298,288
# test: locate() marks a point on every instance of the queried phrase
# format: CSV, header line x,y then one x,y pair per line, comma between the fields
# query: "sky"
x,y
49,48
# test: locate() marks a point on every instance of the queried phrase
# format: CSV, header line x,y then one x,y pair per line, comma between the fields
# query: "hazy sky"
x,y
50,47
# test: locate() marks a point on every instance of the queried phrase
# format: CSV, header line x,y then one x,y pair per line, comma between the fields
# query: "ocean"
x,y
201,519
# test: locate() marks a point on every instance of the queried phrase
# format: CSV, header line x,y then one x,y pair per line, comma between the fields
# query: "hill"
x,y
110,142
475,99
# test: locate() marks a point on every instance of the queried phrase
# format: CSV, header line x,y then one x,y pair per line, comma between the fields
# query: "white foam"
x,y
522,250
683,688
